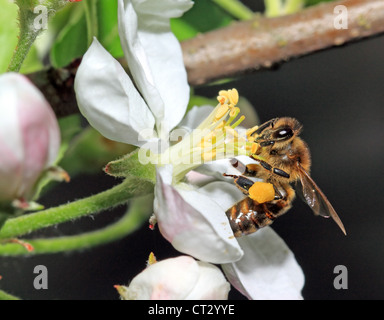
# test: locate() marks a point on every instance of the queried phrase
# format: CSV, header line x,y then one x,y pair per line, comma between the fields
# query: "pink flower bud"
x,y
29,136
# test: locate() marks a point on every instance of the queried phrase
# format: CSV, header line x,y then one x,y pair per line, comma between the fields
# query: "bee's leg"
x,y
278,195
271,169
266,213
249,170
248,216
278,208
262,127
243,183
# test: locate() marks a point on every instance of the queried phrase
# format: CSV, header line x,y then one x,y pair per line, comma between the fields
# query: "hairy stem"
x,y
115,196
27,36
139,211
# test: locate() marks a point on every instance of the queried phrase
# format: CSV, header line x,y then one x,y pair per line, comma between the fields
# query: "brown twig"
x,y
261,42
244,46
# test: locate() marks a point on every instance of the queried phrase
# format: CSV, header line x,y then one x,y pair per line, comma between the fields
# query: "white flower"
x,y
106,95
108,98
29,137
193,222
180,278
193,219
268,269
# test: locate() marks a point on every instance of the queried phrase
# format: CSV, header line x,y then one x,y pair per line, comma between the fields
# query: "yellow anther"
x,y
233,96
221,125
223,93
254,148
251,139
234,112
221,111
151,259
221,99
251,131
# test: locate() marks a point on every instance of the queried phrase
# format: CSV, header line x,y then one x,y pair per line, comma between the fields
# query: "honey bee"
x,y
282,159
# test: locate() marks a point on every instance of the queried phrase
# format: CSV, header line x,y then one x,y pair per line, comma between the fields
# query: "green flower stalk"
x,y
33,20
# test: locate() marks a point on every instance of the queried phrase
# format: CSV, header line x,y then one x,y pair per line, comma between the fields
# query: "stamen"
x,y
234,112
215,138
241,119
221,111
254,148
232,131
231,95
221,125
234,96
221,99
251,131
151,259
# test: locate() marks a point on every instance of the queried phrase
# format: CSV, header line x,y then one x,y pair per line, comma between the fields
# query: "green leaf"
x,y
108,30
204,16
201,101
69,127
8,32
314,2
89,152
32,62
182,29
71,42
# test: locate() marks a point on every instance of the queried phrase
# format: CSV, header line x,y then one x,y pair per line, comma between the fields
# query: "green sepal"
x,y
130,166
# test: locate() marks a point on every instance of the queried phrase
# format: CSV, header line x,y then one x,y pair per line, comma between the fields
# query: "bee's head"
x,y
277,131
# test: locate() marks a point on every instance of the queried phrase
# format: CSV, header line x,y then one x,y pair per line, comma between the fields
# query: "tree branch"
x,y
262,42
244,46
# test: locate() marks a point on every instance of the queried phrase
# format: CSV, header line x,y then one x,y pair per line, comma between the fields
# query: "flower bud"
x,y
180,278
29,137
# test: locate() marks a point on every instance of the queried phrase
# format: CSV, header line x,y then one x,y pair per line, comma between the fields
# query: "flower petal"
x,y
193,223
108,99
268,269
218,167
211,284
170,279
154,56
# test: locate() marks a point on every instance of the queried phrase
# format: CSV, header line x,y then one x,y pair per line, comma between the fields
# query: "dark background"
x,y
338,96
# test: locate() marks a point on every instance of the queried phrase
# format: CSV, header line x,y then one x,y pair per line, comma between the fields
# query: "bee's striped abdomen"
x,y
248,216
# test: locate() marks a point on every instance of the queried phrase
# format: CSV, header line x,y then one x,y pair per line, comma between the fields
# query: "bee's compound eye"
x,y
284,133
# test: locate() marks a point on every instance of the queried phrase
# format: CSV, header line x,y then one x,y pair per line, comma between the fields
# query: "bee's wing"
x,y
315,198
